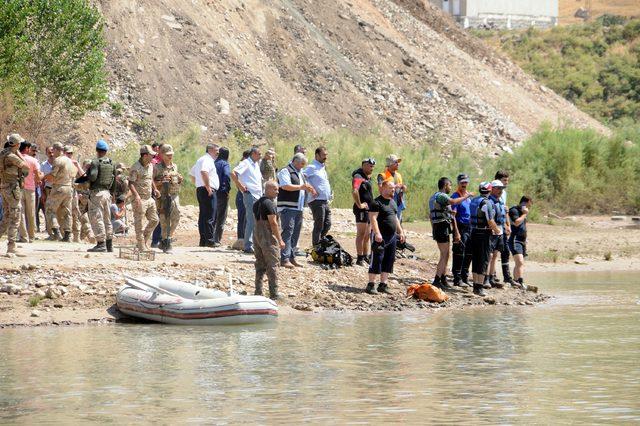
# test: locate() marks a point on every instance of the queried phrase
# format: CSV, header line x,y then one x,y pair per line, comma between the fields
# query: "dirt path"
x,y
61,283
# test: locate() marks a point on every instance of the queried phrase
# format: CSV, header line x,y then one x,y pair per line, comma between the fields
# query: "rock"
x,y
41,294
580,261
52,293
35,313
489,300
618,218
532,288
224,107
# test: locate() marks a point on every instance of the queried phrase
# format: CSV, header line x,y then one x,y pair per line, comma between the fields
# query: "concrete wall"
x,y
502,13
511,7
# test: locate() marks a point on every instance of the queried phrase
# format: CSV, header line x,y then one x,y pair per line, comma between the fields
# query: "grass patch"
x,y
34,301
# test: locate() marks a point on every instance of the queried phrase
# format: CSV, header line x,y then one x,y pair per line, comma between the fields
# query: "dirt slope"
x,y
397,66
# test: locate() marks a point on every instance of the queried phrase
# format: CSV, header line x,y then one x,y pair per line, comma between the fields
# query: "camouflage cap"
x,y
58,146
166,149
68,149
146,149
14,139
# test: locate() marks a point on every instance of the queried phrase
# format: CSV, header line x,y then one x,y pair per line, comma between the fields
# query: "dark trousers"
x,y
321,220
241,215
221,215
157,235
383,262
207,205
504,257
462,253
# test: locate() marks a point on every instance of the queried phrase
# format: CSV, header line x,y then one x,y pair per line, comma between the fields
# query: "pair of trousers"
x,y
462,252
100,215
291,221
28,219
206,215
221,215
267,253
241,215
248,200
59,206
321,220
504,258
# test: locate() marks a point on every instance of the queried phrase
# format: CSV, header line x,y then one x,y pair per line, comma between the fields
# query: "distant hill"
x,y
567,9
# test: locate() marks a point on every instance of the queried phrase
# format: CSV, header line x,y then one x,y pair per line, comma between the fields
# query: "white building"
x,y
502,13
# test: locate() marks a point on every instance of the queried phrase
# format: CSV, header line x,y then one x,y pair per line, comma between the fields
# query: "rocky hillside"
x,y
398,66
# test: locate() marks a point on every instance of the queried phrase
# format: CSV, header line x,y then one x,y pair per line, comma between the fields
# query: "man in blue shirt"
x,y
316,174
224,176
462,248
291,198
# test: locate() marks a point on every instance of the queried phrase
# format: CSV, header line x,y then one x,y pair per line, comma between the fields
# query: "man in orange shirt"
x,y
391,174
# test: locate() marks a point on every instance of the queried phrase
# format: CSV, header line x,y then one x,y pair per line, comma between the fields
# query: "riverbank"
x,y
60,284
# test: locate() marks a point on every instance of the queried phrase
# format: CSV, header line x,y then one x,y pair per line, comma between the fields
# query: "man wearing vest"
x,y
391,174
497,241
13,170
101,176
518,240
443,226
168,179
143,192
483,225
362,198
503,176
60,201
291,198
462,249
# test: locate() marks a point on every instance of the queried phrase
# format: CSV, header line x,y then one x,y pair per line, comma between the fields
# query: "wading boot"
x,y
371,288
382,288
67,237
109,244
479,290
99,248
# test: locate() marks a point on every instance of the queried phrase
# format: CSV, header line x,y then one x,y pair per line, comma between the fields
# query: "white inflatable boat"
x,y
176,302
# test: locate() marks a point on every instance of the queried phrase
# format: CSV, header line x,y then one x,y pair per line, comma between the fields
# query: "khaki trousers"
x,y
28,219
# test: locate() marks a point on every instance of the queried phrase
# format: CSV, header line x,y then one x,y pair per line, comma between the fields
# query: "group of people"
x,y
270,203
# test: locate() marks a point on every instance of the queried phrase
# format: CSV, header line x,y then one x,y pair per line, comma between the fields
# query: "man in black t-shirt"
x,y
518,239
387,230
362,197
267,241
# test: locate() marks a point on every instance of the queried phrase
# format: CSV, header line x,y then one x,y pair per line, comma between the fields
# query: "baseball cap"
x,y
370,161
166,149
14,139
484,187
58,146
68,149
392,159
146,149
497,184
463,178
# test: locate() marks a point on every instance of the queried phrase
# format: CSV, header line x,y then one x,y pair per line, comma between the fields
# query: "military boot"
x,y
140,245
99,248
11,247
76,238
166,247
67,237
55,235
109,245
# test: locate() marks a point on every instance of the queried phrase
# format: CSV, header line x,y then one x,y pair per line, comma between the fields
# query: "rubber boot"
x,y
371,288
67,237
382,288
99,248
109,244
479,290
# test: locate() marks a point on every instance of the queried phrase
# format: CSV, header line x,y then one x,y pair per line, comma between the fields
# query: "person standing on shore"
x,y
483,225
518,239
268,167
267,240
362,194
299,149
387,231
462,249
242,214
392,174
291,198
248,179
31,181
497,241
75,211
206,181
101,176
224,178
316,174
503,176
13,169
443,225
143,191
46,167
60,200
167,178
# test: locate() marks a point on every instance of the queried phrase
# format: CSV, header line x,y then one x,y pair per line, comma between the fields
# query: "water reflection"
x,y
559,363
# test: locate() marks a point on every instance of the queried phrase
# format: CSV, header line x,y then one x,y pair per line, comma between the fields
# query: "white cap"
x,y
497,184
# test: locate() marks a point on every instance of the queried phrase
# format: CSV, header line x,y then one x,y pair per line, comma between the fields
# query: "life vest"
x,y
106,174
500,217
437,212
478,218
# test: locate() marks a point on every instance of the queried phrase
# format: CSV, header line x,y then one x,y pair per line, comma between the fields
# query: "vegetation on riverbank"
x,y
596,65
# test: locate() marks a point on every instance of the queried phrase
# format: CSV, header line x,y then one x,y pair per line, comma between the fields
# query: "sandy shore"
x,y
60,283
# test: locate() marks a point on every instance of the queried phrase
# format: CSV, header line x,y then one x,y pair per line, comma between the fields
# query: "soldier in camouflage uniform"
x,y
168,180
101,176
60,199
142,192
75,210
81,209
13,170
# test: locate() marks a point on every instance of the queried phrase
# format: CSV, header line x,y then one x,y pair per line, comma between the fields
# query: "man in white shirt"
x,y
248,180
207,183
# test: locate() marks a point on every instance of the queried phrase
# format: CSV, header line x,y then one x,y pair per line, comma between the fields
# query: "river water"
x,y
575,359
